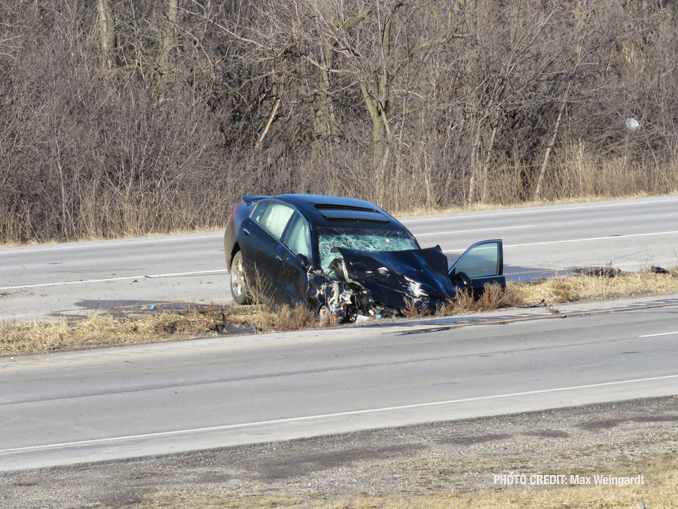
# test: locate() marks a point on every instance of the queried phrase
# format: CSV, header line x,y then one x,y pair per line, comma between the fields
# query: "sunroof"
x,y
335,206
354,214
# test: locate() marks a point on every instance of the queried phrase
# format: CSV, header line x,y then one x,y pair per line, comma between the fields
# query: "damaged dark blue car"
x,y
343,258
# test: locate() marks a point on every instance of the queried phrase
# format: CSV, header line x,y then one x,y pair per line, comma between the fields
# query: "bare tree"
x,y
168,11
106,32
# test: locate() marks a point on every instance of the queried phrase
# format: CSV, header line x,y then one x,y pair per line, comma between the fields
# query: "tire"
x,y
239,289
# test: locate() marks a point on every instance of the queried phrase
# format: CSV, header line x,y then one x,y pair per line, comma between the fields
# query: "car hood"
x,y
394,277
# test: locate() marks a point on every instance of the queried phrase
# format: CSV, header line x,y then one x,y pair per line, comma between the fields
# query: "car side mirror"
x,y
462,279
303,261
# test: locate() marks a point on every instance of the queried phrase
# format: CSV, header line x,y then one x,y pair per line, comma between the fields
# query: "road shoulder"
x,y
623,438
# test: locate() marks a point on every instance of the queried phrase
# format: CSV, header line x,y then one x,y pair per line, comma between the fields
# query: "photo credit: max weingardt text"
x,y
562,479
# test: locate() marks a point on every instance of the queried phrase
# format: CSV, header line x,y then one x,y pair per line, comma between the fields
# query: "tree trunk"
x,y
168,38
552,142
106,33
486,166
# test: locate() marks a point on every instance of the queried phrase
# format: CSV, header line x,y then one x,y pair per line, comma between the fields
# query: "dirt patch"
x,y
297,465
473,440
548,433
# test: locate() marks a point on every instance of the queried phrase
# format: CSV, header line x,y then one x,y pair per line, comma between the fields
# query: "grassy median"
x,y
658,491
107,329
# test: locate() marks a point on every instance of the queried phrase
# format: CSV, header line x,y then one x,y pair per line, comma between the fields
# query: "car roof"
x,y
338,211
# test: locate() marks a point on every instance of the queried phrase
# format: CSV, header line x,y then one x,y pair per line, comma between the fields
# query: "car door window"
x,y
479,261
259,210
298,236
275,218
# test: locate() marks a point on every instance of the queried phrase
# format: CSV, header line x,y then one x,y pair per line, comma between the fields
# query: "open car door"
x,y
482,263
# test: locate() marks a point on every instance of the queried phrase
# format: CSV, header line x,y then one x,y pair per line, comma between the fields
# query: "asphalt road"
x,y
106,404
154,399
65,279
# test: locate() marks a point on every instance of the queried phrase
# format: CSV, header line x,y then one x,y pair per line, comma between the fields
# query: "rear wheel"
x,y
239,289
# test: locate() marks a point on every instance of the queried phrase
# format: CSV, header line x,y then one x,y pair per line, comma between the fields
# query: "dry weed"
x,y
658,492
563,289
414,309
284,318
270,318
493,297
99,330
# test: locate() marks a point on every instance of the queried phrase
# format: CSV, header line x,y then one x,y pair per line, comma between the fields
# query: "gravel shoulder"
x,y
628,438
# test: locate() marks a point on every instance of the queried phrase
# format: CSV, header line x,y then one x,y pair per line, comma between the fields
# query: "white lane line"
x,y
482,230
595,238
610,237
527,210
329,416
106,244
662,334
126,278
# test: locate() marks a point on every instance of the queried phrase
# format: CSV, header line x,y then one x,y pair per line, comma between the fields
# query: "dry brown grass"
x,y
284,319
102,330
563,289
99,330
557,290
414,310
493,297
658,492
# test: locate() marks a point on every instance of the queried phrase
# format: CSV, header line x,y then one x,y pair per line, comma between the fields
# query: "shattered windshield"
x,y
360,239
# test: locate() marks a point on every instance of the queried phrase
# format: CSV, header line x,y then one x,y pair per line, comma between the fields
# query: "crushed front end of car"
x,y
379,284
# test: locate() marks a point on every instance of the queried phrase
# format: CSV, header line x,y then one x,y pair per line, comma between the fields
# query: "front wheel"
x,y
239,289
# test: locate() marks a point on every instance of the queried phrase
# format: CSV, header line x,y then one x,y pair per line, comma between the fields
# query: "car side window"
x,y
298,237
259,210
275,218
480,261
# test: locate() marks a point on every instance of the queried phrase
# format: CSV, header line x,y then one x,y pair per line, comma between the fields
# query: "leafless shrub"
x,y
285,318
269,317
493,297
410,105
574,288
414,309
